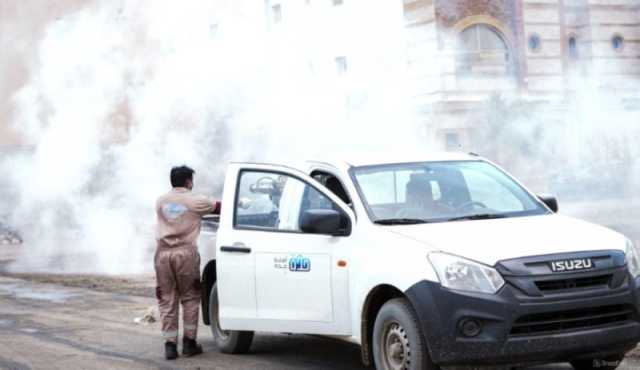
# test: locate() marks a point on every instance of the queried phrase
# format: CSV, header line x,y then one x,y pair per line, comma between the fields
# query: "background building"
x,y
533,50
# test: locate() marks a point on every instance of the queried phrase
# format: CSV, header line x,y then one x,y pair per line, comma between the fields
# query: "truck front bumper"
x,y
464,328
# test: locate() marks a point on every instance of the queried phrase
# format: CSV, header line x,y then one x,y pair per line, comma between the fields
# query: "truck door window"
x,y
334,185
274,201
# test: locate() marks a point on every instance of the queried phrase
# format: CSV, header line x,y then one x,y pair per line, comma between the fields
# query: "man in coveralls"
x,y
177,261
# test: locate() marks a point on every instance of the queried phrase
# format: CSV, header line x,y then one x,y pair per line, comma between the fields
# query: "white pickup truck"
x,y
423,262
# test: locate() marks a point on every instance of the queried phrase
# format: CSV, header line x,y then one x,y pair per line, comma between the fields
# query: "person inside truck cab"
x,y
420,199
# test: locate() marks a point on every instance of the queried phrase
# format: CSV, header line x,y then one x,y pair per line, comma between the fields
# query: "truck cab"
x,y
424,261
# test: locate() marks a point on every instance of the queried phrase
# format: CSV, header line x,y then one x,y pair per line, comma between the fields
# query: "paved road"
x,y
46,326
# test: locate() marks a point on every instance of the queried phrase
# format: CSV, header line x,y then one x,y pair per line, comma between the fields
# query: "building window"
x,y
276,13
341,65
573,47
452,141
482,51
617,42
535,43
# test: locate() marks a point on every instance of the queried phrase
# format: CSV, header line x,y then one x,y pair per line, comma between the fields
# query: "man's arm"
x,y
205,205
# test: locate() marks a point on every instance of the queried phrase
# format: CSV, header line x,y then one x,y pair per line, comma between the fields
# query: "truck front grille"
x,y
575,283
579,319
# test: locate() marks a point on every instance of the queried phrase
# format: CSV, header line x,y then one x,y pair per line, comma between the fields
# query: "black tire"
x,y
606,363
398,341
228,341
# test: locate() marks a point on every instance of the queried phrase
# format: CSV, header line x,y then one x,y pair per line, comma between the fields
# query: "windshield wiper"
x,y
480,216
400,221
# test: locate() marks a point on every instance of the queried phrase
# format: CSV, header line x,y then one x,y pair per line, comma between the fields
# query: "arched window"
x,y
483,52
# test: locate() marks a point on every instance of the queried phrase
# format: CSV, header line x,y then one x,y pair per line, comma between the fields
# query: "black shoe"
x,y
170,350
190,347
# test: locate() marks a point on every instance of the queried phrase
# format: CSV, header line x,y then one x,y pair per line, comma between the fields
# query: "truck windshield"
x,y
441,191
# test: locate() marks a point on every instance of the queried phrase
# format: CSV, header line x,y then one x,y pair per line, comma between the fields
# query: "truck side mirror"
x,y
550,201
324,221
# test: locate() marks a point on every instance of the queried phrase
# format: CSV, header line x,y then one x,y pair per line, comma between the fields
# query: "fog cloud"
x,y
119,92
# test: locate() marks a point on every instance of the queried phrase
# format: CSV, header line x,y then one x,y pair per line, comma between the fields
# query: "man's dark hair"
x,y
180,175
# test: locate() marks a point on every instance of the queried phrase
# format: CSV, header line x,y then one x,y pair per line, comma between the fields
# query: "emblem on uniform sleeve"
x,y
173,210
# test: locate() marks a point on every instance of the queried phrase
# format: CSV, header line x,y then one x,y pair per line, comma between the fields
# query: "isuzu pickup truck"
x,y
424,262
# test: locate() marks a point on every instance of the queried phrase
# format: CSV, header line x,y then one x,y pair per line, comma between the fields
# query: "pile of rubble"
x,y
8,236
149,317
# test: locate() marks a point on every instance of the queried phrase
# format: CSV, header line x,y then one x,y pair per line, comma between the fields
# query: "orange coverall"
x,y
177,261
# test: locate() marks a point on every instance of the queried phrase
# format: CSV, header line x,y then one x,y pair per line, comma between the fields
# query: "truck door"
x,y
297,283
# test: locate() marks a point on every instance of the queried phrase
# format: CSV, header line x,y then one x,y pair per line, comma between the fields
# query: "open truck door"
x,y
280,253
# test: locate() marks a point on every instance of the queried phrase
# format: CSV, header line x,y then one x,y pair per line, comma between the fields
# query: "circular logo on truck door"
x,y
299,263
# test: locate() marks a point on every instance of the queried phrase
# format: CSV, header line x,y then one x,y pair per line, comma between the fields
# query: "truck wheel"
x,y
607,363
228,341
398,341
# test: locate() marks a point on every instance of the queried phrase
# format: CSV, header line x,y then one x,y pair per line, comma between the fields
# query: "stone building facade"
x,y
462,52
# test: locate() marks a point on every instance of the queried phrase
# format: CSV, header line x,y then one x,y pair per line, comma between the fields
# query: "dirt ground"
x,y
140,286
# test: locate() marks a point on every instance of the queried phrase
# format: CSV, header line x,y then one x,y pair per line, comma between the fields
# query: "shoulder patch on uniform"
x,y
173,210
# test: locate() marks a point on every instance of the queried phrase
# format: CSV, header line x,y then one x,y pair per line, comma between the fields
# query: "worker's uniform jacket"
x,y
177,261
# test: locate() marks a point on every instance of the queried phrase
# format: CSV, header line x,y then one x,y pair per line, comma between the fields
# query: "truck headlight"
x,y
462,274
633,263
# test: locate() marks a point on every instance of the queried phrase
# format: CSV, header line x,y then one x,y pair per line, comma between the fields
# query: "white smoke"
x,y
579,146
121,92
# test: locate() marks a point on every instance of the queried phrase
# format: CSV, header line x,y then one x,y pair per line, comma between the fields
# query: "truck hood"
x,y
490,241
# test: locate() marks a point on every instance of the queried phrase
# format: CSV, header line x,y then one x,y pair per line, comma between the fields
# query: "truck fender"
x,y
420,299
376,298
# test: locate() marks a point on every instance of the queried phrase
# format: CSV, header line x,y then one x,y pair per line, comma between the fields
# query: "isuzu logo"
x,y
572,265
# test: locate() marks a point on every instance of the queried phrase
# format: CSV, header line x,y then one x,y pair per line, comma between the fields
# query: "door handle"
x,y
236,248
